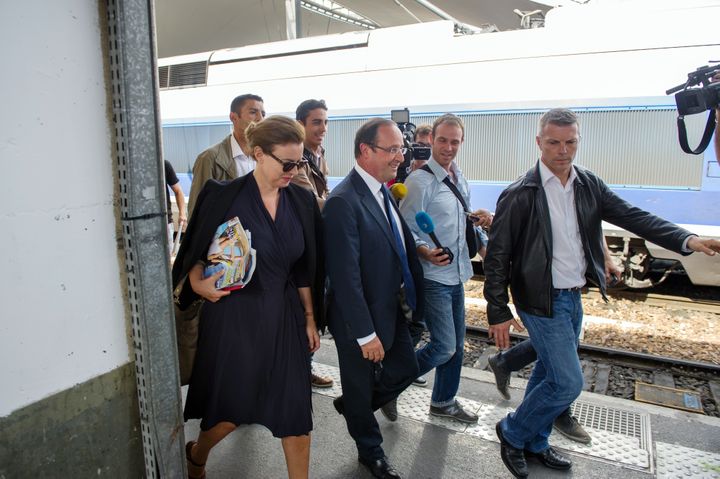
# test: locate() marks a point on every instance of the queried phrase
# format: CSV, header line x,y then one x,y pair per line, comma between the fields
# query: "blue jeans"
x,y
556,380
445,319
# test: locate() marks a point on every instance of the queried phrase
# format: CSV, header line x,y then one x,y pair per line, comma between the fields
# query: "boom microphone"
x,y
399,191
427,226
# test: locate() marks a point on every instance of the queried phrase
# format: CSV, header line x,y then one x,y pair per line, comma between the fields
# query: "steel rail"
x,y
619,353
661,300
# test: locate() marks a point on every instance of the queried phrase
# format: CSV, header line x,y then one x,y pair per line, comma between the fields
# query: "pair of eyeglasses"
x,y
288,165
392,150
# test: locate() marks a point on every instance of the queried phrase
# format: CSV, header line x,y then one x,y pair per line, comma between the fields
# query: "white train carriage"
x,y
609,60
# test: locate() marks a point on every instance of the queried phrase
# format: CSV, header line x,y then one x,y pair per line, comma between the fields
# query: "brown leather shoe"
x,y
568,426
195,470
320,381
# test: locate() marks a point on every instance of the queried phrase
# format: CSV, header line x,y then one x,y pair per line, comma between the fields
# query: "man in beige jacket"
x,y
230,158
312,115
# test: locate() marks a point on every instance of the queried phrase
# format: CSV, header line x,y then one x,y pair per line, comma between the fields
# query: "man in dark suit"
x,y
373,271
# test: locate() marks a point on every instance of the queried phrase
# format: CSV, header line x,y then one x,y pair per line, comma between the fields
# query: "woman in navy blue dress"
x,y
252,364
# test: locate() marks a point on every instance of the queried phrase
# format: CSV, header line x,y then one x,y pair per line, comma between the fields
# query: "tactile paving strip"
x,y
619,436
679,461
328,371
415,404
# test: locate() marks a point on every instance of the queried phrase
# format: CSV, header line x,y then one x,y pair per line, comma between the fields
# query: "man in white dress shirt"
x,y
230,158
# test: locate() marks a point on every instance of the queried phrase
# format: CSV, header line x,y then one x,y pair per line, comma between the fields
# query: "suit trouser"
x,y
367,386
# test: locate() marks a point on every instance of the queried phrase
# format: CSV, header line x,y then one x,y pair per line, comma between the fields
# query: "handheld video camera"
x,y
414,151
697,95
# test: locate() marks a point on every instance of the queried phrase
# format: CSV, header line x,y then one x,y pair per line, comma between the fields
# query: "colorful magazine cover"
x,y
231,252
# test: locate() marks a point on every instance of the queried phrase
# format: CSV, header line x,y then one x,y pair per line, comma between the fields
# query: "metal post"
x,y
138,152
292,11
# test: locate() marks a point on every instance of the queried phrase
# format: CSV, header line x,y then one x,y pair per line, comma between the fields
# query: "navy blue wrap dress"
x,y
253,362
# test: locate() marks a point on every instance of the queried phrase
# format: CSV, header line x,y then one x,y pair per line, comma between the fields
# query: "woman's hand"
x,y
205,288
312,332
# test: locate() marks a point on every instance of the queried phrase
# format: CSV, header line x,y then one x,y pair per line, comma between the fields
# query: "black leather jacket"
x,y
520,246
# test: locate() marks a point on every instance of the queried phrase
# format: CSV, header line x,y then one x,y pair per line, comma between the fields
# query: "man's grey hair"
x,y
559,117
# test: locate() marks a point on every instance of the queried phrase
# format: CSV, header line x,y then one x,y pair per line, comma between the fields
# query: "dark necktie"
x,y
407,276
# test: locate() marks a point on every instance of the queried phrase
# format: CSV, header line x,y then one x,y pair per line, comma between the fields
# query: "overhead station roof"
x,y
190,26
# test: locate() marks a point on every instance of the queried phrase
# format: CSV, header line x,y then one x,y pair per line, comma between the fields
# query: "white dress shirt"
x,y
374,187
244,163
568,257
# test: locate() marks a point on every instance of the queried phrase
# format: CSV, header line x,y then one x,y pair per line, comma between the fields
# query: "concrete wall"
x,y
66,370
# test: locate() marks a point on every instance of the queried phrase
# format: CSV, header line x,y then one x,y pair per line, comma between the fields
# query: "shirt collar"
x,y
235,146
307,152
546,175
440,172
373,184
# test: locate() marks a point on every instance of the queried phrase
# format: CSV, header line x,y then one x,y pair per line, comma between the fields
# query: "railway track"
x,y
678,293
615,372
661,300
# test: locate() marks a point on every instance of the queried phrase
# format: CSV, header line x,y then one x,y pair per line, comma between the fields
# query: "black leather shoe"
x,y
380,468
454,411
512,457
502,377
551,458
389,410
339,406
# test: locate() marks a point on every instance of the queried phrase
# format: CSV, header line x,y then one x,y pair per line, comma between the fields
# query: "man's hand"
x,y
373,350
482,218
708,246
435,255
501,332
613,273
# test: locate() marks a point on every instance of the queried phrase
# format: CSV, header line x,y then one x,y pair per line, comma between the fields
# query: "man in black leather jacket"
x,y
546,238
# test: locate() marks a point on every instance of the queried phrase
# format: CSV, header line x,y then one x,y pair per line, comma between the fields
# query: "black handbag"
x,y
470,236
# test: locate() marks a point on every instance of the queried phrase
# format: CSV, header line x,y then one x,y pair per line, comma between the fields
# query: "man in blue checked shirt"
x,y
440,189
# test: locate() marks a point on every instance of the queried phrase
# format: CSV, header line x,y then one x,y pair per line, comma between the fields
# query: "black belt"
x,y
571,290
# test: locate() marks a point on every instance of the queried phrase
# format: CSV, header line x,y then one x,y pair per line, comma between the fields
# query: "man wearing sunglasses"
x,y
230,158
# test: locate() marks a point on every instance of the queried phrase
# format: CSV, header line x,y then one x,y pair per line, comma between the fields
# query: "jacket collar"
x,y
367,198
533,179
227,162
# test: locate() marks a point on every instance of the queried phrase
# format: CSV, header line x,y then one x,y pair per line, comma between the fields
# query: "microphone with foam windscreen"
x,y
427,226
399,191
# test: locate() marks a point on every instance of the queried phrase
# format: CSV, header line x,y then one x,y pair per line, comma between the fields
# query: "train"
x,y
611,61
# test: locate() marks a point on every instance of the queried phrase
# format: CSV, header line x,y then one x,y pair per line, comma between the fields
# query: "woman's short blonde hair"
x,y
274,130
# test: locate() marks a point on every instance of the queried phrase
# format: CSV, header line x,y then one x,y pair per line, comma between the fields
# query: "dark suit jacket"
x,y
363,267
212,208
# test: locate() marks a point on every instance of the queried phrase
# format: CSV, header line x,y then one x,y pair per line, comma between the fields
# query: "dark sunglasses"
x,y
288,165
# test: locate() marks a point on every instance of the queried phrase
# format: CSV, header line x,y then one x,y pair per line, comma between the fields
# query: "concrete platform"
x,y
630,439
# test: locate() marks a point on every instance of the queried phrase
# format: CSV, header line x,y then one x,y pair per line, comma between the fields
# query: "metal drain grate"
x,y
609,419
